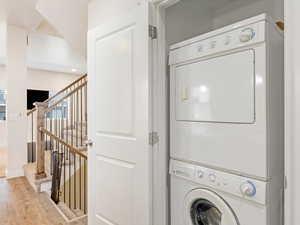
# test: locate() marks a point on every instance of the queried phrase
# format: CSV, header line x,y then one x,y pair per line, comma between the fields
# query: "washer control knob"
x,y
200,173
248,189
212,177
247,35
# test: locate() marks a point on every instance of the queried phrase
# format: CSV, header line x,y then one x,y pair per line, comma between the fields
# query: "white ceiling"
x,y
21,13
69,19
61,18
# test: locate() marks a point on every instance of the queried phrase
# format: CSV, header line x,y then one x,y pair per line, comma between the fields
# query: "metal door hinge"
x,y
285,182
152,32
153,138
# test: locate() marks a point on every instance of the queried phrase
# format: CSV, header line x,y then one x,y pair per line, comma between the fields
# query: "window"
x,y
59,112
2,104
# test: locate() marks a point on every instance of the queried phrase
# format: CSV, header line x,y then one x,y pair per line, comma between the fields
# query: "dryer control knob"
x,y
247,35
227,40
248,189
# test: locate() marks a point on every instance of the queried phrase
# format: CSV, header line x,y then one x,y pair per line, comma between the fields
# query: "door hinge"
x,y
152,32
153,138
285,182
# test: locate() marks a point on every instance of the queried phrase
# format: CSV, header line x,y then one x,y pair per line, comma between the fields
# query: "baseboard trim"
x,y
62,213
14,173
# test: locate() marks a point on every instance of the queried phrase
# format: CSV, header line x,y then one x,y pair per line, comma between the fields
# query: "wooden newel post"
x,y
40,141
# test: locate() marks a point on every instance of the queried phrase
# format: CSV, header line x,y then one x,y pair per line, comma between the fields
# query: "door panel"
x,y
116,88
120,160
119,201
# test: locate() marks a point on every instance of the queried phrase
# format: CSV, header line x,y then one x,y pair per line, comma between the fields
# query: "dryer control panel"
x,y
243,187
218,41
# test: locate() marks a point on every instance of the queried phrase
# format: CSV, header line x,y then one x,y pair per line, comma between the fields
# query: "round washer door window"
x,y
204,212
203,207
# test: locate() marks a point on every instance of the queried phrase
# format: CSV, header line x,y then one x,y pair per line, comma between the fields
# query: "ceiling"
x,y
60,18
21,13
69,19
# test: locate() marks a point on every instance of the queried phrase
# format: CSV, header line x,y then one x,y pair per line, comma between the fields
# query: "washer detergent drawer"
x,y
219,89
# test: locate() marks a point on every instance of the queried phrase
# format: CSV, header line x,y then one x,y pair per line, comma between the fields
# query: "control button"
x,y
200,48
248,189
200,173
212,177
227,40
247,35
213,44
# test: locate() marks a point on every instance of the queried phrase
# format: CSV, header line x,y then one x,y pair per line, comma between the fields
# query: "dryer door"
x,y
203,207
219,89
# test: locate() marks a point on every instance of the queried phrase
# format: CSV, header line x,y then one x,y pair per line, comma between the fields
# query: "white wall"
x,y
53,53
46,80
3,131
39,80
3,76
16,71
187,19
46,52
2,42
16,79
238,11
69,18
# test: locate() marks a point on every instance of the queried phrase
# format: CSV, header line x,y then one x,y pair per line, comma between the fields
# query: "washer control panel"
x,y
203,46
250,189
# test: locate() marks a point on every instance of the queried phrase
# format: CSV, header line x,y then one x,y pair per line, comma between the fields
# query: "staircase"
x,y
57,153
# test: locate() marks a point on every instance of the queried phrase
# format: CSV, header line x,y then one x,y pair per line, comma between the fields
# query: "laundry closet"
x,y
225,77
187,103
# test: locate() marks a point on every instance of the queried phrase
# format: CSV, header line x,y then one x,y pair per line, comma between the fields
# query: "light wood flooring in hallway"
x,y
21,205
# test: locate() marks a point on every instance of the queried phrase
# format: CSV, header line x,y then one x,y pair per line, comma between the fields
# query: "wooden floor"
x,y
3,162
20,205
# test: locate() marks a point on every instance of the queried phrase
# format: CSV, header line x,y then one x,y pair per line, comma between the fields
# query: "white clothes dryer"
x,y
227,99
202,196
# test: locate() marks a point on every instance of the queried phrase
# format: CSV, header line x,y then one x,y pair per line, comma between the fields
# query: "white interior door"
x,y
119,166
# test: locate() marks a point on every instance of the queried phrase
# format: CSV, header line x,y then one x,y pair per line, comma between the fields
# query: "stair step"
x,y
29,172
70,214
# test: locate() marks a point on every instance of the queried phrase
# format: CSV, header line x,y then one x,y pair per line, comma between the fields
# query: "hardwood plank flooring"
x,y
21,205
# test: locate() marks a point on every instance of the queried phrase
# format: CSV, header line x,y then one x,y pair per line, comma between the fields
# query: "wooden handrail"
x,y
72,148
66,96
58,93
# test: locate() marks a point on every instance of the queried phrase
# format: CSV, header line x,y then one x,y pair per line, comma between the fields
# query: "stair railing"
x,y
59,110
69,178
58,127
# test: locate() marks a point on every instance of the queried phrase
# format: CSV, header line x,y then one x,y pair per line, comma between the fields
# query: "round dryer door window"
x,y
203,207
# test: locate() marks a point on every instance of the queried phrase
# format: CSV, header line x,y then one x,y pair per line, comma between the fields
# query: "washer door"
x,y
203,207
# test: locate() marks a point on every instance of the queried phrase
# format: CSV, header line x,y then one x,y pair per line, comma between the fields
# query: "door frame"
x,y
292,109
160,110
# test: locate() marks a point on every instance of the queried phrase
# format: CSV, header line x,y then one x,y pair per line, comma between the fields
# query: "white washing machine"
x,y
226,99
202,196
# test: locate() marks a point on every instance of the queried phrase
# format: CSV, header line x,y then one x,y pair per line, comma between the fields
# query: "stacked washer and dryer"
x,y
227,126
